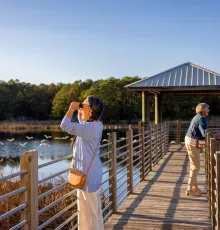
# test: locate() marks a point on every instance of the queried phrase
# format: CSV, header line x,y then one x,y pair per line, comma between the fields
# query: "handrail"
x,y
13,211
55,161
128,161
212,170
10,194
12,175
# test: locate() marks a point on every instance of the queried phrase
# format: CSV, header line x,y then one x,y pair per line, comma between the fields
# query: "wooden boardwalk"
x,y
159,202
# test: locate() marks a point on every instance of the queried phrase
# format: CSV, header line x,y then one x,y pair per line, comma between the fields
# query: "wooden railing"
x,y
129,160
212,169
179,128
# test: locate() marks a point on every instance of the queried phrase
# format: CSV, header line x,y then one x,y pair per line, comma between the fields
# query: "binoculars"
x,y
80,105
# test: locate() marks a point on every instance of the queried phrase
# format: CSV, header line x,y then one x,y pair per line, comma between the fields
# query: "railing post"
x,y
168,137
150,130
129,135
161,141
218,187
113,173
164,138
213,148
208,154
178,131
141,131
156,126
29,163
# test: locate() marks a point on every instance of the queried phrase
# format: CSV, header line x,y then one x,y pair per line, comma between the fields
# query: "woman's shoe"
x,y
198,190
192,193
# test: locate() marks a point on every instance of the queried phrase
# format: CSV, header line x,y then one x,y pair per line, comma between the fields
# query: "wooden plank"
x,y
24,197
218,187
29,162
159,202
113,173
129,135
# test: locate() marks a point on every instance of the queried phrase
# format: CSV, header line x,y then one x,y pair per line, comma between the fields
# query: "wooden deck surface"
x,y
159,202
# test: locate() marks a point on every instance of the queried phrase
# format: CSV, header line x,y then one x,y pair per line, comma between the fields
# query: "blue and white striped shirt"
x,y
88,137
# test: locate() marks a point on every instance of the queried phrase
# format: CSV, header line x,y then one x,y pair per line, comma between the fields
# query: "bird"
x,y
173,142
29,138
1,143
44,144
43,140
48,137
2,160
23,144
10,139
135,140
104,140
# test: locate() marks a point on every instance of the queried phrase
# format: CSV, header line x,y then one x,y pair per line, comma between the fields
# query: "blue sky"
x,y
49,41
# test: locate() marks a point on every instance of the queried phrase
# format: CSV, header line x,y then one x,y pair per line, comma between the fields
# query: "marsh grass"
x,y
13,202
34,126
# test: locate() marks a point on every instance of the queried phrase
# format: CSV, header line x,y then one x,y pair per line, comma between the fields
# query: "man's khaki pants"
x,y
194,157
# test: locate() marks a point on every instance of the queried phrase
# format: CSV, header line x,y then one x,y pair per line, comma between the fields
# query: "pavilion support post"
x,y
160,108
157,103
145,107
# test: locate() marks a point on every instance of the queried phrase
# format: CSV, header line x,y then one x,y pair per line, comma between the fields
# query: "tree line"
x,y
25,101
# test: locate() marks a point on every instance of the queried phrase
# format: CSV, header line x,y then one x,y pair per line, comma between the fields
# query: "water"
x,y
50,146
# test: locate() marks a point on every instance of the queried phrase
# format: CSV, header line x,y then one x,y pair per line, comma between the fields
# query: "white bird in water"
x,y
1,143
44,144
48,137
43,140
10,139
23,144
29,138
104,140
2,160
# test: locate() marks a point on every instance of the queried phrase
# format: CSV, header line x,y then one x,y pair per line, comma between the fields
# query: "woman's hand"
x,y
217,135
74,106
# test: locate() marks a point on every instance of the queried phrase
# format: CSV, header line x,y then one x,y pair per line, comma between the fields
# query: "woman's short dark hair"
x,y
97,108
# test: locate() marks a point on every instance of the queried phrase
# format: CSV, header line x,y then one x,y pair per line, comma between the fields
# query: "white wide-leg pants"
x,y
90,211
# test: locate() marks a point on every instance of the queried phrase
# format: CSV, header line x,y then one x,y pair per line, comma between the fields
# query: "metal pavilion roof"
x,y
186,75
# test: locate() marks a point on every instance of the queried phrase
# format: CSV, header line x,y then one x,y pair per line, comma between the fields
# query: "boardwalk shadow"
x,y
176,194
125,216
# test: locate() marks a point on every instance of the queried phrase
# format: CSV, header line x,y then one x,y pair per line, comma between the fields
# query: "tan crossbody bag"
x,y
77,179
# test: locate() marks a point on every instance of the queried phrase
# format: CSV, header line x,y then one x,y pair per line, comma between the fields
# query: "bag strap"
x,y
92,159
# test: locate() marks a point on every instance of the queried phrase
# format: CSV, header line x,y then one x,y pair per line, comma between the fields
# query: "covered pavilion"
x,y
186,79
